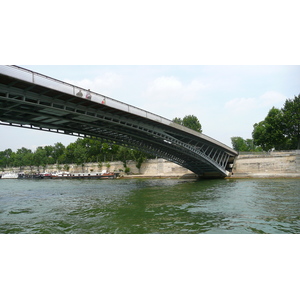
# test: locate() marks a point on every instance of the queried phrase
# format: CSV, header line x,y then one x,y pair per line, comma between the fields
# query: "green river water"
x,y
150,206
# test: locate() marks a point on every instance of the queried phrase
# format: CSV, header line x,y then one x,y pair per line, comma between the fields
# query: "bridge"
x,y
35,101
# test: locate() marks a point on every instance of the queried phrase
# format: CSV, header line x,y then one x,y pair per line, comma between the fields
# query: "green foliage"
x,y
178,121
139,157
291,121
124,155
189,121
280,130
39,157
6,158
80,152
23,157
241,145
268,133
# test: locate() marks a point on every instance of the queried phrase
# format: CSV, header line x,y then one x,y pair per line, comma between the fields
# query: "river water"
x,y
143,206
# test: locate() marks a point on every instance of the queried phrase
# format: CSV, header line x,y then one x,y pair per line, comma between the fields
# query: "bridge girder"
x,y
28,105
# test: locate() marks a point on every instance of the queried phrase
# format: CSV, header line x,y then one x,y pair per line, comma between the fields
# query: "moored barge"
x,y
62,175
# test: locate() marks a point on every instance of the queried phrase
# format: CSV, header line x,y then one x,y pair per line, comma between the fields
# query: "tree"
x,y
94,147
50,154
23,157
281,128
40,157
69,153
58,152
139,157
291,121
269,133
80,154
189,121
239,144
178,121
124,155
242,145
6,158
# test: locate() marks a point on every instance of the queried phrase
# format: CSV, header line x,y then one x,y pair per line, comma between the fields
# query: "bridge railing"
x,y
61,86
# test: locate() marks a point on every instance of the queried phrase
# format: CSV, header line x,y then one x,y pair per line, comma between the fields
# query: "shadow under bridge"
x,y
35,101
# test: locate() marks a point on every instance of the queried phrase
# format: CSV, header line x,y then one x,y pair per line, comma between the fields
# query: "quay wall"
x,y
267,165
246,165
150,168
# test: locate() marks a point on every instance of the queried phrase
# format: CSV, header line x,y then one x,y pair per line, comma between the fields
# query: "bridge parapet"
x,y
64,87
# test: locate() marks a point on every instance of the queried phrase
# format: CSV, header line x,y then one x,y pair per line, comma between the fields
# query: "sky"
x,y
225,62
227,99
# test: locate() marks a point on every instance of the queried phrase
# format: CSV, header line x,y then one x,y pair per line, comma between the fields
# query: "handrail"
x,y
56,84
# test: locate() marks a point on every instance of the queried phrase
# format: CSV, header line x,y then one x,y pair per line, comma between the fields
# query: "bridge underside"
x,y
27,105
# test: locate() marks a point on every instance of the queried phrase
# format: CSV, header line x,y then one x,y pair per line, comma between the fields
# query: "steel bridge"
x,y
32,100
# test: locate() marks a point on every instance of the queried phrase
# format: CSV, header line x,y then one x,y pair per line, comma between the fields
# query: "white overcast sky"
x,y
226,63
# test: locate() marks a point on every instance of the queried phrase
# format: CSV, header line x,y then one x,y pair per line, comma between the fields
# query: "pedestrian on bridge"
x,y
79,94
88,95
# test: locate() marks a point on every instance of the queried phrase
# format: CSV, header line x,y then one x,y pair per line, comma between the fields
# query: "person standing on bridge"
x,y
79,94
88,95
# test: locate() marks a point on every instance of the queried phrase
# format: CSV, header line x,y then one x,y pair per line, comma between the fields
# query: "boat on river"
x,y
62,175
21,176
99,175
10,176
31,176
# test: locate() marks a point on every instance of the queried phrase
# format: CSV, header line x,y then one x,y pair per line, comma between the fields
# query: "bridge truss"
x,y
31,100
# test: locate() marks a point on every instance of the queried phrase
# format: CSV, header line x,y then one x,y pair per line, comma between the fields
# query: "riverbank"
x,y
152,168
283,164
276,164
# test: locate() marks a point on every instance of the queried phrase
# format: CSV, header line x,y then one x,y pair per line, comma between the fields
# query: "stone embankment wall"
x,y
266,165
150,168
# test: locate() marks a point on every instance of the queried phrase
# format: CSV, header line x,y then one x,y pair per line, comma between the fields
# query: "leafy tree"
x,y
269,133
69,153
189,121
40,157
6,158
291,121
124,155
178,121
58,153
139,157
105,148
50,154
239,144
192,122
80,154
281,128
242,145
94,147
23,157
